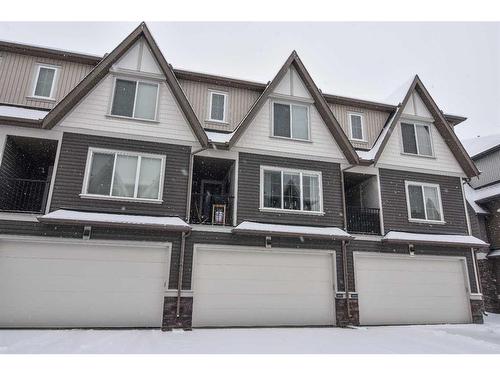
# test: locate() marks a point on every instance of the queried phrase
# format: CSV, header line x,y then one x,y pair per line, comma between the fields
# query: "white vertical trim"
x,y
381,212
467,218
235,199
137,172
473,254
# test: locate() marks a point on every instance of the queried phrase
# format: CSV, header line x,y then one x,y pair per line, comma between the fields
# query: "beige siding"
x,y
373,120
17,73
239,102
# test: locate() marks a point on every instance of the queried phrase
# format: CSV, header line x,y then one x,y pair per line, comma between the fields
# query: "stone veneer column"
x,y
170,320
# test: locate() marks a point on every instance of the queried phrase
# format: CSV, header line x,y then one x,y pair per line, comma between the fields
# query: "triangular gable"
x,y
319,102
102,69
443,127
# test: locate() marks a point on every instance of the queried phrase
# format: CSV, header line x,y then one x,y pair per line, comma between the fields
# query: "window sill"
x,y
41,98
121,199
418,155
132,119
291,139
284,211
217,122
423,221
358,140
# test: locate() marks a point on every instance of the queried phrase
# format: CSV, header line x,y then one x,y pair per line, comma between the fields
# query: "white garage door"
x,y
396,289
251,287
81,285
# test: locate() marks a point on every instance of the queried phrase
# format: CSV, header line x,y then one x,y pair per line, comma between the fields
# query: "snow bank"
x,y
248,227
400,237
24,113
80,217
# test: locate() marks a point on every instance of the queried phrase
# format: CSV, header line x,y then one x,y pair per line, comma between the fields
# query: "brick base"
x,y
477,309
170,320
343,319
488,280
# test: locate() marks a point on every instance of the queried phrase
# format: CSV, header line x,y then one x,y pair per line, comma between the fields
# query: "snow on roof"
x,y
248,227
475,146
370,154
457,240
218,137
494,254
486,192
24,113
470,196
67,216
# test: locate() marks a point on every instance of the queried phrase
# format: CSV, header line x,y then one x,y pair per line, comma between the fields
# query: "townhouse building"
x,y
135,194
483,196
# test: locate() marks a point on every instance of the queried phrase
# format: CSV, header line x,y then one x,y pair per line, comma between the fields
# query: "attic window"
x,y
356,126
416,139
44,86
135,99
291,121
218,102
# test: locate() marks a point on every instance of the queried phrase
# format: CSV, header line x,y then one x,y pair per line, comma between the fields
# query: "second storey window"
x,y
218,102
285,189
416,139
291,121
135,99
124,175
356,125
45,82
424,201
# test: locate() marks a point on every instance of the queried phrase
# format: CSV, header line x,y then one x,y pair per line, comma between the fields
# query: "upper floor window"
x,y
356,126
136,99
416,139
424,202
45,78
218,104
291,121
292,190
124,175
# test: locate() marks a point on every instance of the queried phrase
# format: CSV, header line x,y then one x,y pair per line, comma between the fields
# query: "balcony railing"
x,y
23,195
363,220
211,209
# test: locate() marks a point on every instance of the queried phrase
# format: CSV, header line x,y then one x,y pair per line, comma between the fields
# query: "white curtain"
x,y
432,203
149,178
125,171
424,140
300,123
145,103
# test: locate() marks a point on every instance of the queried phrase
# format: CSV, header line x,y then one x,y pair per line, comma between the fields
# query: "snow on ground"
x,y
445,339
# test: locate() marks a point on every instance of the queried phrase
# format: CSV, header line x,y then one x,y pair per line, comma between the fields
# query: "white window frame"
x,y
210,96
408,207
302,172
363,132
290,104
415,124
137,81
54,81
93,150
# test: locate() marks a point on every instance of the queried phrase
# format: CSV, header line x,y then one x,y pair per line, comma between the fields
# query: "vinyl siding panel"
x,y
249,191
258,137
240,101
395,213
71,171
374,121
18,72
92,114
443,161
490,172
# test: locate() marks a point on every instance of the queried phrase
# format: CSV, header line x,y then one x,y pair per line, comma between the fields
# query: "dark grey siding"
x,y
249,191
493,223
392,183
257,241
477,224
378,247
71,170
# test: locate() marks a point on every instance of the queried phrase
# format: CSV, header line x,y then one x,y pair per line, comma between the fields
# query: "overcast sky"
x,y
458,62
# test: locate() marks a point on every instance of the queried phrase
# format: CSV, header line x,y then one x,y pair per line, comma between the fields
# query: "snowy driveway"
x,y
409,339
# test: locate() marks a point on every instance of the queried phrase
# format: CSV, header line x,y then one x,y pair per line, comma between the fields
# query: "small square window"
x,y
44,82
218,102
135,99
424,202
356,126
291,121
416,139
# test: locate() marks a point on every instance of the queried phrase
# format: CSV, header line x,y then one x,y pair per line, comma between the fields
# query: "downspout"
x,y
184,235
346,282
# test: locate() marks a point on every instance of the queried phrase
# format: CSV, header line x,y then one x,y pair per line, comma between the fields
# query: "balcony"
x,y
362,203
212,209
25,174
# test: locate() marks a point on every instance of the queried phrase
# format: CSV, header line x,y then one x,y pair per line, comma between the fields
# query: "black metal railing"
x,y
363,220
23,195
203,206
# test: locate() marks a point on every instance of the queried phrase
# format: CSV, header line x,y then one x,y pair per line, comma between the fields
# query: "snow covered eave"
x,y
167,223
254,228
434,239
494,254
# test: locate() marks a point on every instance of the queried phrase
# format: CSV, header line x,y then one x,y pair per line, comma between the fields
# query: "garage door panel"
x,y
411,290
81,285
252,288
